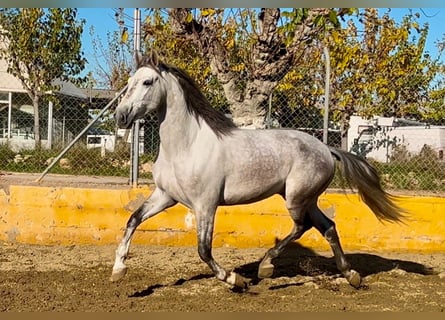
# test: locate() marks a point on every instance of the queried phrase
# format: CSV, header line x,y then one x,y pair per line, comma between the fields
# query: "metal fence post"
x,y
135,130
134,167
326,94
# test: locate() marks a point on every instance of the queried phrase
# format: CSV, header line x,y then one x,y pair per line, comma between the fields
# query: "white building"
x,y
376,138
17,114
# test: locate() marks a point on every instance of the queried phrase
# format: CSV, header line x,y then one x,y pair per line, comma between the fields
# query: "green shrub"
x,y
6,155
84,161
423,171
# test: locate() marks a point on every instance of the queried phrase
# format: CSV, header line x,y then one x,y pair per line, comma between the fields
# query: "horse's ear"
x,y
153,57
138,58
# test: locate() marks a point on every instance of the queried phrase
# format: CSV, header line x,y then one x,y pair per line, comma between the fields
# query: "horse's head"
x,y
145,92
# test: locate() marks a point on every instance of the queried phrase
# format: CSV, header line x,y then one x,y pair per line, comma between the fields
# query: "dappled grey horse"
x,y
205,161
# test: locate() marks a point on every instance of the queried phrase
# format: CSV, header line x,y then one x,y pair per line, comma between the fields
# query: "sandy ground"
x,y
76,278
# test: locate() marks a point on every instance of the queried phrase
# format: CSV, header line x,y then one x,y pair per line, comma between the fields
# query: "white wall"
x,y
412,137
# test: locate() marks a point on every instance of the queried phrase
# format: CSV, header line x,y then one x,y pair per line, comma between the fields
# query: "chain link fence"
x,y
409,154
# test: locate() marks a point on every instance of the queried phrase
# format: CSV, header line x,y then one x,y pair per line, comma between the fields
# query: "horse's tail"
x,y
360,174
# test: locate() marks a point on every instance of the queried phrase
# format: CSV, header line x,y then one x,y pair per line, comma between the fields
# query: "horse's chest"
x,y
180,183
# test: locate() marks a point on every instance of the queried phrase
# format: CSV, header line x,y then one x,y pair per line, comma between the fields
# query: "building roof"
x,y
69,89
10,83
93,93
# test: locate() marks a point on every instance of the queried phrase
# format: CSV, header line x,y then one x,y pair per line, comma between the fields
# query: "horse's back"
x,y
291,146
260,163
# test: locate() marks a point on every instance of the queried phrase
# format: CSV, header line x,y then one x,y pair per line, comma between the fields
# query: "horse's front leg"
x,y
157,202
205,225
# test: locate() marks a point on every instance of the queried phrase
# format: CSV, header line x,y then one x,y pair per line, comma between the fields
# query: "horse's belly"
x,y
248,191
254,178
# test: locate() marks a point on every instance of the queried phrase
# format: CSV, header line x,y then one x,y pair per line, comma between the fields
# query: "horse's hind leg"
x,y
157,202
327,228
301,225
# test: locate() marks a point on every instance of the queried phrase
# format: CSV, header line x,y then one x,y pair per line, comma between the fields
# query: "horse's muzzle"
x,y
123,120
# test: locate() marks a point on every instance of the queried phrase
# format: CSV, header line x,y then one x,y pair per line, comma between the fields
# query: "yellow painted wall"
x,y
46,215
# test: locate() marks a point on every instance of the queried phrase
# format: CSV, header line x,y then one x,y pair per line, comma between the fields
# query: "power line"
x,y
125,17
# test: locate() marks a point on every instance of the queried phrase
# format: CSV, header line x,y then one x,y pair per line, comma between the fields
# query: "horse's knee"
x,y
135,219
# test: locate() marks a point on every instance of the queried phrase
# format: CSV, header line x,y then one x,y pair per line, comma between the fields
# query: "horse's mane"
x,y
197,103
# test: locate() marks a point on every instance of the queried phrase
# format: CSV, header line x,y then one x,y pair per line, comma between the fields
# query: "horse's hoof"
x,y
353,278
238,281
116,275
265,271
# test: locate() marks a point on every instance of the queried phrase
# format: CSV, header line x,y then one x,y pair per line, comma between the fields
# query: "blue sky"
x,y
104,21
435,17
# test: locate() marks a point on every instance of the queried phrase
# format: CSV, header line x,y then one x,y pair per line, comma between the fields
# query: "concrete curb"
x,y
66,216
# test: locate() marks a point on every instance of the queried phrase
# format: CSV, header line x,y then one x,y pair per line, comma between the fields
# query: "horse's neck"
x,y
178,128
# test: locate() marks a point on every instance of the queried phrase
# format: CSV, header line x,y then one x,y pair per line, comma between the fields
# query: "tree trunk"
x,y
37,137
344,126
246,117
270,58
251,111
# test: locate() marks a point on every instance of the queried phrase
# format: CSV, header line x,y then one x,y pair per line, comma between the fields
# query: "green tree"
x,y
434,110
378,67
41,45
382,71
248,50
179,51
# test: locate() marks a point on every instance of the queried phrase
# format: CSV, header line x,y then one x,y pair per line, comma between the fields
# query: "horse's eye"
x,y
148,82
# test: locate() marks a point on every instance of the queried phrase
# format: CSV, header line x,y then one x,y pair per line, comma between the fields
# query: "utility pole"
x,y
135,130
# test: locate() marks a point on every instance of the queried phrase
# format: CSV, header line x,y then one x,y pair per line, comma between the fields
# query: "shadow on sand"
x,y
297,260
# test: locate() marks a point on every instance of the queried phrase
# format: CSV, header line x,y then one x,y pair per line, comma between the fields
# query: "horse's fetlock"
x,y
331,234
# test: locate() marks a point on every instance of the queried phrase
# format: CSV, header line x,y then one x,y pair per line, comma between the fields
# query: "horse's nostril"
x,y
120,119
